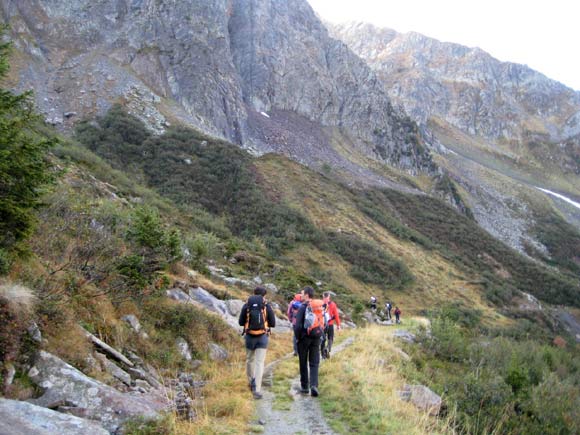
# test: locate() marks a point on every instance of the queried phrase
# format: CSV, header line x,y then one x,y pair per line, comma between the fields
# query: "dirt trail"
x,y
304,416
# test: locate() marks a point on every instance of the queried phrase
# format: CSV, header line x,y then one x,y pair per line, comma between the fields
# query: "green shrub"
x,y
25,169
370,264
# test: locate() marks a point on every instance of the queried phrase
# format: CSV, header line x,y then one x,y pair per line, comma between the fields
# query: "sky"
x,y
545,35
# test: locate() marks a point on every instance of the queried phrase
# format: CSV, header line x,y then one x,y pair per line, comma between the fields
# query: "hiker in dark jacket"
x,y
308,348
397,315
257,317
293,308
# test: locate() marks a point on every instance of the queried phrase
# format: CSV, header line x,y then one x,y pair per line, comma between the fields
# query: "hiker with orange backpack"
x,y
257,317
308,329
293,308
332,317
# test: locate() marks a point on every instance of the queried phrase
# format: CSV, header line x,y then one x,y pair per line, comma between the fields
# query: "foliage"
x,y
494,383
218,177
370,264
463,242
561,239
25,169
142,426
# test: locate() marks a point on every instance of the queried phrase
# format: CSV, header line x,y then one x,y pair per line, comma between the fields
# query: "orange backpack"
x,y
314,318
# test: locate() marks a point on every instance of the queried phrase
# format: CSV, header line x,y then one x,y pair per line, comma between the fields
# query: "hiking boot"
x,y
252,385
257,395
314,392
304,390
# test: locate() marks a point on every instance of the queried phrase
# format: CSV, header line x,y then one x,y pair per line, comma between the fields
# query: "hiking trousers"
x,y
309,357
255,366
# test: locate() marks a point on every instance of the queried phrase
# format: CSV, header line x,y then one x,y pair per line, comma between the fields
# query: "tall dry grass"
x,y
360,389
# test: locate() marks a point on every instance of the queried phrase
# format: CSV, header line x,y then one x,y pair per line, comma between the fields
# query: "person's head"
x,y
298,297
326,296
307,293
260,291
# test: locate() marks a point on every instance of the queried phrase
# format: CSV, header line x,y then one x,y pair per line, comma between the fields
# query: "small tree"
x,y
24,167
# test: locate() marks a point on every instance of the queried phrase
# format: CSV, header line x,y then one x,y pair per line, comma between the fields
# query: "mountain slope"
x,y
213,65
500,128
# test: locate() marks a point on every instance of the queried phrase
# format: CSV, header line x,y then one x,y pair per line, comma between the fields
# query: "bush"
x,y
370,264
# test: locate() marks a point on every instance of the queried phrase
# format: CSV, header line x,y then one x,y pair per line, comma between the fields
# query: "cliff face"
x,y
211,64
500,128
466,86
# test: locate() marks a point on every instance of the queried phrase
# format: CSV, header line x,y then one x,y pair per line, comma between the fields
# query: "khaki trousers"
x,y
255,366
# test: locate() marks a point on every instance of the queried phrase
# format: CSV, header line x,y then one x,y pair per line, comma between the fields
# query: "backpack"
x,y
314,318
294,310
256,316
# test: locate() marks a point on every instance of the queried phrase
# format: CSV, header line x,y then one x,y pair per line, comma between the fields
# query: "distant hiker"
x,y
373,303
308,330
257,317
332,317
388,308
397,315
293,308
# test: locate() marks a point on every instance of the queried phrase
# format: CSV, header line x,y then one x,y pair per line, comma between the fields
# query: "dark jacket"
x,y
269,312
299,330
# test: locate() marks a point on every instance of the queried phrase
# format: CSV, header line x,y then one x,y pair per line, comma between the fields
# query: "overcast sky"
x,y
545,35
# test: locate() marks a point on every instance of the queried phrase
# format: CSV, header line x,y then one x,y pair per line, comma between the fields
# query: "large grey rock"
x,y
422,397
179,295
211,303
208,300
217,352
133,322
183,348
113,369
67,389
234,306
404,335
23,418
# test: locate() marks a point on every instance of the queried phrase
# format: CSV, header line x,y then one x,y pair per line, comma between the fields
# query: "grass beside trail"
x,y
359,389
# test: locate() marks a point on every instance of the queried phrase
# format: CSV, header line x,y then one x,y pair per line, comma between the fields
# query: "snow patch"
x,y
562,197
265,114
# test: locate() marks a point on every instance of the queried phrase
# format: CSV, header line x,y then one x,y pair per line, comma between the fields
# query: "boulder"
x,y
34,332
234,306
208,300
179,295
404,335
133,322
23,418
271,288
217,352
68,390
113,369
422,397
183,348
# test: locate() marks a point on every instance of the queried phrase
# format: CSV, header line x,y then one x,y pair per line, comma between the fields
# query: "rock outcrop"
x,y
23,418
67,390
234,68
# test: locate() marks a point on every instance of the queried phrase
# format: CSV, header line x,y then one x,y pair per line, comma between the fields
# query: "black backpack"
x,y
256,316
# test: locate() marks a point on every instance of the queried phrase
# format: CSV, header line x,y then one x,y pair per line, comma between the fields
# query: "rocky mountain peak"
x,y
216,65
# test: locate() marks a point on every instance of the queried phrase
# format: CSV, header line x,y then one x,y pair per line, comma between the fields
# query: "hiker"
x,y
308,330
293,308
257,317
332,317
397,315
388,308
373,303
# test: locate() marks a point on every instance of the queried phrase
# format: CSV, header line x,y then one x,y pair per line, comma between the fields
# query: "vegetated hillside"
x,y
489,121
288,206
107,246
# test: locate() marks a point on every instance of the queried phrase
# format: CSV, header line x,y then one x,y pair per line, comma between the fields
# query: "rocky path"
x,y
304,416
